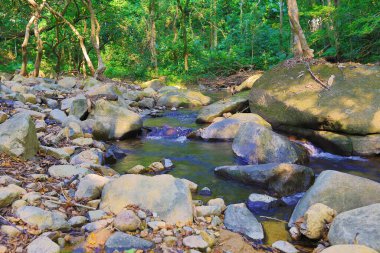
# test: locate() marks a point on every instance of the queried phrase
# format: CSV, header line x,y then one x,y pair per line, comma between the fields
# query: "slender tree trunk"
x,y
300,46
95,31
281,3
79,36
24,71
37,63
214,28
185,13
153,34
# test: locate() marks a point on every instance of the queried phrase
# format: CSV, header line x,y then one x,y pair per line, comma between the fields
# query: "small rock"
x,y
90,187
138,169
83,141
9,194
217,202
77,221
94,203
155,225
168,164
156,167
195,242
122,242
96,225
33,198
91,156
285,247
67,171
127,220
259,203
58,115
96,215
43,244
203,211
205,191
10,231
315,220
7,180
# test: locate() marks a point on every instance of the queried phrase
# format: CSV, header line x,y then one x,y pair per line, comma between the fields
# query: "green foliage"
x,y
223,36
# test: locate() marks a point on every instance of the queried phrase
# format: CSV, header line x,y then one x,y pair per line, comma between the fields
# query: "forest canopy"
x,y
181,39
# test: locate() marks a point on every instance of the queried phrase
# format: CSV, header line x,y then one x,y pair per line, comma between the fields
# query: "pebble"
x,y
285,247
205,191
127,220
195,241
155,225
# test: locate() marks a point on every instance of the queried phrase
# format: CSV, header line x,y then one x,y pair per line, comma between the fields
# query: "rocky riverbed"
x,y
59,190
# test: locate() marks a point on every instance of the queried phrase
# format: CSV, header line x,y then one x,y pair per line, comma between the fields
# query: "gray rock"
x,y
67,171
127,220
90,187
339,191
96,215
238,218
360,225
146,103
195,242
349,248
257,144
181,98
203,211
259,203
9,194
58,115
169,197
121,242
7,180
79,107
285,247
96,225
77,221
18,136
227,129
44,220
43,244
67,82
233,104
90,156
31,113
52,103
58,153
280,178
114,122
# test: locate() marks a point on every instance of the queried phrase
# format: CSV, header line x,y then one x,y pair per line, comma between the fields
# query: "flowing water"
x,y
195,160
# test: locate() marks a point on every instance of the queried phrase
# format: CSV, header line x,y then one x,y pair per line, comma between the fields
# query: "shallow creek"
x,y
195,160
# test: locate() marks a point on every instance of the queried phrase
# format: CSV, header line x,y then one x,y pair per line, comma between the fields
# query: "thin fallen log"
x,y
316,78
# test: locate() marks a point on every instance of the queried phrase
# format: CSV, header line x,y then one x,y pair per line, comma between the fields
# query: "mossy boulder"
x,y
292,97
181,98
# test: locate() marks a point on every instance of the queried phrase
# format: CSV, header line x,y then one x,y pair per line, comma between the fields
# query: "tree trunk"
x,y
185,13
37,63
24,71
95,31
79,36
300,47
281,3
153,34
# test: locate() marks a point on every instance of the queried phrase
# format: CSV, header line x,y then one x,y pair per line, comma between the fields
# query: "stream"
x,y
195,160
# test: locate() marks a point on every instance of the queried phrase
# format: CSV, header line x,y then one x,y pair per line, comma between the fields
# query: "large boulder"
x,y
227,129
155,84
348,248
182,98
290,96
257,144
249,82
18,136
113,121
169,197
339,191
235,103
360,225
282,179
238,218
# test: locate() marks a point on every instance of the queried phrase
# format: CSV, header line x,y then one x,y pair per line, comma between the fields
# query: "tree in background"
x,y
300,46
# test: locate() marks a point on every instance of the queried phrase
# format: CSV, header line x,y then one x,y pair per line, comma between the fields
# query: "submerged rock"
x,y
238,218
260,203
169,197
282,179
339,191
361,225
18,136
235,103
257,144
